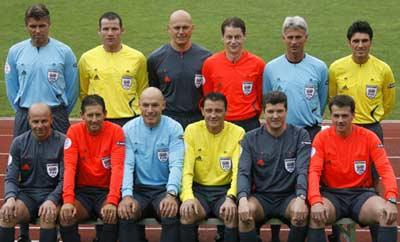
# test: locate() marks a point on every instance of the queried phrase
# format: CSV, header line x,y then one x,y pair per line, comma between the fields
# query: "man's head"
x,y
275,104
37,23
110,31
151,104
233,32
294,35
213,107
40,120
359,36
342,109
180,29
93,112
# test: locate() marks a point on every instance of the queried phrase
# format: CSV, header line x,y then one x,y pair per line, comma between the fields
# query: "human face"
x,y
275,116
233,40
180,30
342,118
93,116
151,107
360,43
295,40
214,115
38,30
110,33
40,123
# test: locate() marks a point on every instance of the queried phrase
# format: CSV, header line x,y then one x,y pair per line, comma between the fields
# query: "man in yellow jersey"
x,y
209,181
114,71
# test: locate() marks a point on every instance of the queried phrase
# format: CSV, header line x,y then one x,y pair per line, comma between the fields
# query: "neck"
x,y
215,130
360,60
181,48
276,132
233,57
295,57
115,48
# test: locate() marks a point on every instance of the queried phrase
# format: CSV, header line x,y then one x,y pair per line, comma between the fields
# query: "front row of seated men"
x,y
214,167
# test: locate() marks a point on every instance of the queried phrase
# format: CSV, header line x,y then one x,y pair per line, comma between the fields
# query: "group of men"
x,y
171,164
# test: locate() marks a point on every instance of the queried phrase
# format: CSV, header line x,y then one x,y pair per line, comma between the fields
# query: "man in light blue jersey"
x,y
302,77
152,170
41,69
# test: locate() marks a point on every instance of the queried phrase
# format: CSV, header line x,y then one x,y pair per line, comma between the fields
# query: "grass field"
x,y
74,22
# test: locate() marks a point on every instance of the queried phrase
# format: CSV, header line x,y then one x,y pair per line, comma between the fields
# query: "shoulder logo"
x,y
392,85
198,80
9,161
67,143
313,151
52,169
7,68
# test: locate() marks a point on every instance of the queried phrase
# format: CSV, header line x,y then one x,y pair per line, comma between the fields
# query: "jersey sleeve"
x,y
332,83
11,182
388,91
235,165
84,78
259,86
11,78
129,165
267,87
142,76
206,72
315,171
71,80
176,153
152,72
244,170
70,163
117,166
323,88
302,161
188,166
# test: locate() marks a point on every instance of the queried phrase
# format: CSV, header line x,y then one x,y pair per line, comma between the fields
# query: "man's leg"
x,y
129,230
188,219
7,223
48,228
297,213
247,230
69,229
316,231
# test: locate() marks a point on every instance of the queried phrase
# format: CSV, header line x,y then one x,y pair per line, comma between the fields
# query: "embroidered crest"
x,y
313,151
247,87
163,154
198,80
126,82
360,166
7,68
309,91
52,169
67,143
371,91
52,75
225,163
290,164
106,161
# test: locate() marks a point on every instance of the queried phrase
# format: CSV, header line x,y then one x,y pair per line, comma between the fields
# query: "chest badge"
x,y
52,75
52,169
371,91
126,82
162,155
360,166
290,164
309,91
225,163
247,87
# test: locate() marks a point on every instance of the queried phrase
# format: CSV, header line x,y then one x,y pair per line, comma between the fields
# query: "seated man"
x,y
94,152
340,177
209,181
272,176
33,182
152,170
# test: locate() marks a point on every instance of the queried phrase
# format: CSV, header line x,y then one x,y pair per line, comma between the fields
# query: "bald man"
x,y
152,170
175,68
33,183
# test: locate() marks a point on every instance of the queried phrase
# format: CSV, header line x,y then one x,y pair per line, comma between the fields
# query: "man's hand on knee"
x,y
168,206
228,211
109,213
319,214
389,215
189,209
9,210
244,212
48,212
299,212
67,213
127,208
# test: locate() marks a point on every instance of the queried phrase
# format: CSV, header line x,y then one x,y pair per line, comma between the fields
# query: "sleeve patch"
x,y
306,142
313,151
9,161
392,85
67,143
7,68
120,143
380,145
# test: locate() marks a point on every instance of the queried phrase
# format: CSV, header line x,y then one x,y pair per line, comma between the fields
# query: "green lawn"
x,y
75,23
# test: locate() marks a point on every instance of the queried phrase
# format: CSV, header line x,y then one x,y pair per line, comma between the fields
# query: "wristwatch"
x,y
302,197
172,193
232,197
393,200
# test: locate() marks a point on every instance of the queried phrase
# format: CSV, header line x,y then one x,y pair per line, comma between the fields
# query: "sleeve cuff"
x,y
390,195
241,194
172,188
314,200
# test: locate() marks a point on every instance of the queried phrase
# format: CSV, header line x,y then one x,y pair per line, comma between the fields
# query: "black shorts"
x,y
211,198
348,202
33,199
149,198
92,198
275,205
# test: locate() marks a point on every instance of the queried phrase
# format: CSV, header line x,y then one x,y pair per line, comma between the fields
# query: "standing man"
x,y
272,178
340,180
41,69
94,153
237,74
152,170
209,181
33,182
175,69
366,78
114,71
302,77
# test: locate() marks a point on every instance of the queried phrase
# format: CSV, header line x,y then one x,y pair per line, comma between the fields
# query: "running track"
x,y
392,145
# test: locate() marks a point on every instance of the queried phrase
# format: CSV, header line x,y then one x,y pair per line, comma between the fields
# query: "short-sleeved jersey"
x,y
36,165
272,164
345,162
46,74
240,82
178,76
154,155
119,77
94,160
305,85
371,84
211,159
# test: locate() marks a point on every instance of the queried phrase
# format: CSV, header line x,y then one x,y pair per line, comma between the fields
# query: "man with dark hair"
x,y
237,74
340,179
114,71
33,182
152,170
175,68
41,65
93,156
272,177
209,181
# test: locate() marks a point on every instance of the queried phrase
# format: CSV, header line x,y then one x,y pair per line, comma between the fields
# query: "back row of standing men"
x,y
177,69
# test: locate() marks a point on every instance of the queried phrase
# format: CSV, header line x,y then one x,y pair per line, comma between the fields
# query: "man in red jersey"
x,y
94,152
237,74
340,179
